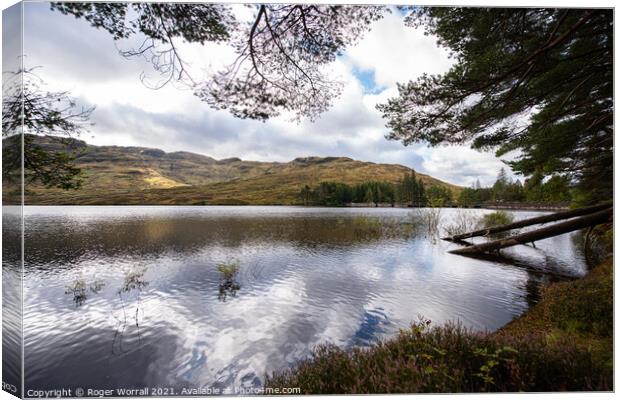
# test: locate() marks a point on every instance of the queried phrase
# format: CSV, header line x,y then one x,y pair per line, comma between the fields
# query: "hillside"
x,y
138,175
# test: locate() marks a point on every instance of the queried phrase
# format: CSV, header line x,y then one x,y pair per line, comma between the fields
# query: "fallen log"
x,y
593,219
530,221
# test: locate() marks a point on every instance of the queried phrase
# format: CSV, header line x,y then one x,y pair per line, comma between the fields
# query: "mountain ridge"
x,y
145,175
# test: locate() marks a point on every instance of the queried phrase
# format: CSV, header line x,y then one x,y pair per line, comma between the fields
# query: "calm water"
x,y
132,296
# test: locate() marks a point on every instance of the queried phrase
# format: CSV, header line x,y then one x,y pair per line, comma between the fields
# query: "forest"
x,y
410,191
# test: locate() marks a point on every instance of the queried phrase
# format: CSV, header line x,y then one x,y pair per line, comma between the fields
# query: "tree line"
x,y
409,190
535,189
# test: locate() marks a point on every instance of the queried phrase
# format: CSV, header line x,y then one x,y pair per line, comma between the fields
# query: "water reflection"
x,y
11,298
219,296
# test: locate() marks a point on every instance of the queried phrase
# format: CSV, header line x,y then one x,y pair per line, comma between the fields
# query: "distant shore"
x,y
511,206
492,206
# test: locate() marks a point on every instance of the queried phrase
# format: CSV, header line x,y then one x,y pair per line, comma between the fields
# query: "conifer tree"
x,y
534,80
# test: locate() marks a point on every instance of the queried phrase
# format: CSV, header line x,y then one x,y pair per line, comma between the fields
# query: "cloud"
x,y
396,53
11,43
77,57
66,46
462,165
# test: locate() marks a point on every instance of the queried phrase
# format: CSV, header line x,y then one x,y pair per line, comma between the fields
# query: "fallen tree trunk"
x,y
531,221
596,218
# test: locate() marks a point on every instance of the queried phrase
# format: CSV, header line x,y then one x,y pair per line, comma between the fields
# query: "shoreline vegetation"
x,y
563,343
409,191
499,207
487,206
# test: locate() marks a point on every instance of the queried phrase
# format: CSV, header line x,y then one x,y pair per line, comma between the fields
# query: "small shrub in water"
x,y
462,222
497,218
228,284
228,269
79,290
426,220
364,221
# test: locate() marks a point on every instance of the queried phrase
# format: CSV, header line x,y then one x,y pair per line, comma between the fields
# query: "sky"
x,y
77,57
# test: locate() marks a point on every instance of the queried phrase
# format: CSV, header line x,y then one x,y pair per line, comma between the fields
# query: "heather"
x,y
564,343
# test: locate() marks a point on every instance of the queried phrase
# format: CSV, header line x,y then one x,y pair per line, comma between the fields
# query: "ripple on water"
x,y
131,296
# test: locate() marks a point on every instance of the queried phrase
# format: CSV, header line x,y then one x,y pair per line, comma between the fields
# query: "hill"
x,y
138,175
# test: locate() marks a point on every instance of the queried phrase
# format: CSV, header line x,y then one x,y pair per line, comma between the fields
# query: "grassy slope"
x,y
581,310
134,175
565,342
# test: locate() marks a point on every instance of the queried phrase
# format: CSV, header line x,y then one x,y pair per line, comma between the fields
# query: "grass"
x,y
426,221
582,309
369,227
563,343
465,221
156,180
134,280
462,222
